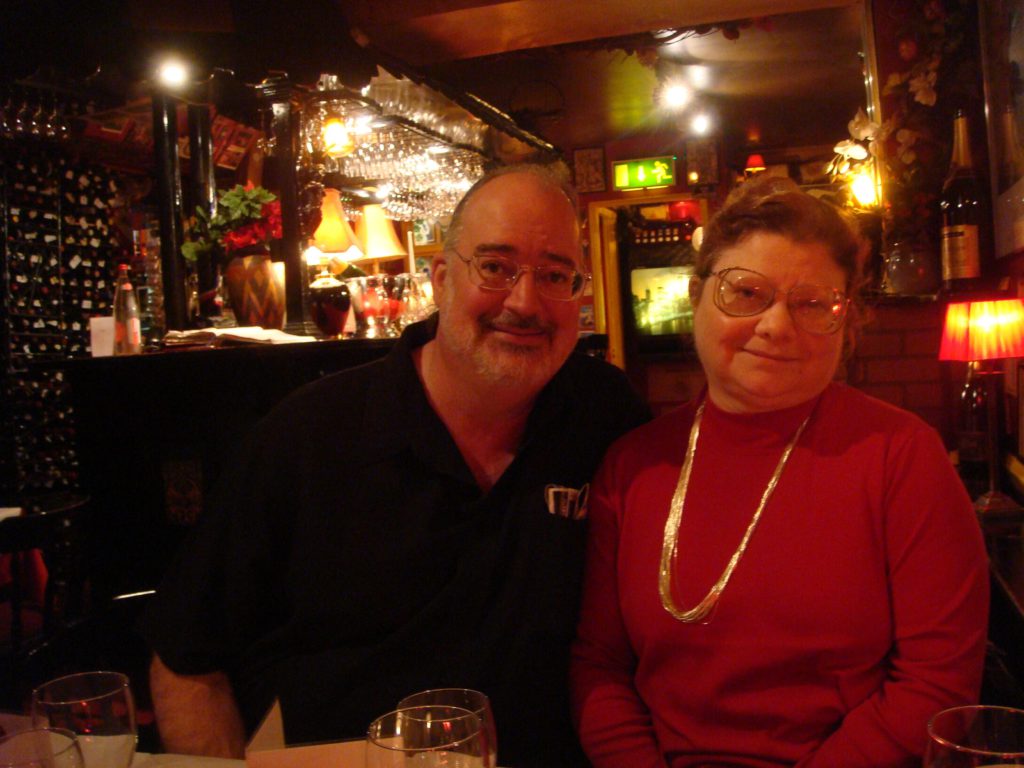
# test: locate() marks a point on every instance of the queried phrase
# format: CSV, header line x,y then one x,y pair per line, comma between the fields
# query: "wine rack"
x,y
57,260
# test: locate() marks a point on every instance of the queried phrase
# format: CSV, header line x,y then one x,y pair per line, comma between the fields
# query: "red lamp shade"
x,y
983,330
755,163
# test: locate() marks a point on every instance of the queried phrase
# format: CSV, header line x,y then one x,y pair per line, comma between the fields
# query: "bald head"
x,y
544,175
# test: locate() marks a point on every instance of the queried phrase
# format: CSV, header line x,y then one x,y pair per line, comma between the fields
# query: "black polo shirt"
x,y
352,559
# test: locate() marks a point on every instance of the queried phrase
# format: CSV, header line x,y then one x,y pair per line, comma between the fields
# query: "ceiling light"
x,y
675,95
701,123
337,138
699,76
172,73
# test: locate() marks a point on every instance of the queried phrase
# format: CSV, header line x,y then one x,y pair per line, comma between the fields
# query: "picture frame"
x,y
1002,53
424,233
589,170
427,235
702,162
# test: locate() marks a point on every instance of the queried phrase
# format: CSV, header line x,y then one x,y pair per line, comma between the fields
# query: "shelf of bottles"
x,y
56,263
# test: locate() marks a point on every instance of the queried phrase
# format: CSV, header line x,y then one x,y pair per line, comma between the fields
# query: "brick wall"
x,y
896,360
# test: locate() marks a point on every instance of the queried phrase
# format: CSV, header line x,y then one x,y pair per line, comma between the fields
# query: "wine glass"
x,y
426,737
96,706
975,737
466,698
40,748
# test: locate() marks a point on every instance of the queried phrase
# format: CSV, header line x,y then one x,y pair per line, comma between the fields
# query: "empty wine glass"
x,y
98,708
975,737
426,737
376,307
40,748
464,698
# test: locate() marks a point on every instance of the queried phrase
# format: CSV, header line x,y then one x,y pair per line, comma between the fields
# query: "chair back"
x,y
104,639
43,549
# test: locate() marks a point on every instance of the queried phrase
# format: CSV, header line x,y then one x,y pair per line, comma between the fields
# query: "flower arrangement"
x,y
910,148
244,216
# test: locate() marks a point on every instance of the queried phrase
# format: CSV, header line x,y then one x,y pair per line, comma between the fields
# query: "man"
x,y
413,523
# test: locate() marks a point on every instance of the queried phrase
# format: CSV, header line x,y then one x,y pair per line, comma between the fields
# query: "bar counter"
x,y
153,431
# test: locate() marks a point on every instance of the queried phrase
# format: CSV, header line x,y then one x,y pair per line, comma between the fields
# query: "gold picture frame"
x,y
588,170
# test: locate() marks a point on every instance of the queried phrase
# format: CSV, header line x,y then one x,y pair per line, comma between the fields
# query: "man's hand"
x,y
196,714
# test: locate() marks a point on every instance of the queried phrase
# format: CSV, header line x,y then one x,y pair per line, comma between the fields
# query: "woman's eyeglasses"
x,y
816,309
500,273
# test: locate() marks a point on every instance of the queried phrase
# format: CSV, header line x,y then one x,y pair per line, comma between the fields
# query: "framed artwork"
x,y
588,169
701,162
1002,39
427,235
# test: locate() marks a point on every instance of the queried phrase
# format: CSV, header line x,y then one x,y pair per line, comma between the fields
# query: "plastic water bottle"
x,y
127,325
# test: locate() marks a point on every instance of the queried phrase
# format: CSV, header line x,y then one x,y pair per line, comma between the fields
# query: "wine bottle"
x,y
960,204
127,324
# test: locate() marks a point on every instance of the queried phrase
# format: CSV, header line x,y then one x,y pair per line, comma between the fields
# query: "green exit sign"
x,y
641,174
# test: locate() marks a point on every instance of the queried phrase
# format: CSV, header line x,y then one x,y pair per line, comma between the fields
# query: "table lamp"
x,y
979,332
378,234
334,235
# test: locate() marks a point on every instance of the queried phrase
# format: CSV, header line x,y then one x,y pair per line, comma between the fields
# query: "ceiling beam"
x,y
433,31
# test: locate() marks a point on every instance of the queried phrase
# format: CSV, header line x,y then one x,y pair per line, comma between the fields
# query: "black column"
x,y
204,195
168,181
281,124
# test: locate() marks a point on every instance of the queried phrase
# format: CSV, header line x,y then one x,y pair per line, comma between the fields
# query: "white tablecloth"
x,y
146,760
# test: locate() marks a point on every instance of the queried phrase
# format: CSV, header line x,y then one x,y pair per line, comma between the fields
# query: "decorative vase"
x,y
329,304
255,290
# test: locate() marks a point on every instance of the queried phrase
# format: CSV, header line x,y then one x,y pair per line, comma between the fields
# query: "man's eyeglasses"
x,y
817,309
500,273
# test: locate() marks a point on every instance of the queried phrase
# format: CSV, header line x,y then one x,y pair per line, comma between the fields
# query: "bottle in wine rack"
x,y
127,324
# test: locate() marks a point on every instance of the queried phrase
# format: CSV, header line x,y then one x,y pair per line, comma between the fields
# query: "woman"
x,y
786,571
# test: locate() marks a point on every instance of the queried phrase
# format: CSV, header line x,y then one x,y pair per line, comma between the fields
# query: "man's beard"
x,y
501,362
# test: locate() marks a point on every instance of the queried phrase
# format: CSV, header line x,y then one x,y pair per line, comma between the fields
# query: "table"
x,y
165,760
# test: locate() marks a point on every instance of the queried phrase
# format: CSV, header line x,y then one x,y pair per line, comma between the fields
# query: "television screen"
x,y
661,300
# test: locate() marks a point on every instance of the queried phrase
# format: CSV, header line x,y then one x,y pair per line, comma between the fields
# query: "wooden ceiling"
x,y
794,78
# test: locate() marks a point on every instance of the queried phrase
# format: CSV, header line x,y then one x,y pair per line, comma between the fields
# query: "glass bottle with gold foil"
x,y
960,204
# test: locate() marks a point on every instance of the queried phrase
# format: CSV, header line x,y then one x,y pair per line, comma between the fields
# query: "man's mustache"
x,y
526,323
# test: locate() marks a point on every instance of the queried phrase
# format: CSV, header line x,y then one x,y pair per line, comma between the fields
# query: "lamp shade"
x,y
377,233
983,330
755,164
334,235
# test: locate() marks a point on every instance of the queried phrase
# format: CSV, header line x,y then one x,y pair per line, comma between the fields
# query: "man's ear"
x,y
695,287
438,270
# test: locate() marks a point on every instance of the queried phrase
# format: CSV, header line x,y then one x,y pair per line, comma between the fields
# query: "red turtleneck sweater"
x,y
858,610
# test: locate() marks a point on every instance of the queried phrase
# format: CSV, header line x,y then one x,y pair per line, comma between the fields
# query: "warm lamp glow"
x,y
338,140
377,232
983,330
863,188
334,235
172,73
675,95
755,164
